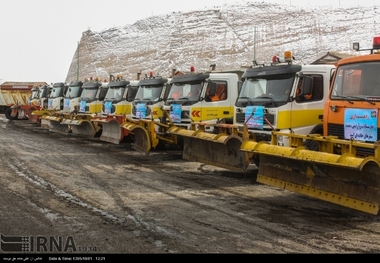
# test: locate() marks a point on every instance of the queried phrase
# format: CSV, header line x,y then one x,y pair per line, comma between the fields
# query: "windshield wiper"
x,y
248,99
363,99
270,98
344,97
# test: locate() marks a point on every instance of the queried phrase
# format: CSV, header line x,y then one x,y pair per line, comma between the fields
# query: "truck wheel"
x,y
8,115
313,145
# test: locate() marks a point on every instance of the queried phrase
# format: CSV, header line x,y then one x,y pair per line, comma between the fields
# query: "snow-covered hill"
x,y
231,36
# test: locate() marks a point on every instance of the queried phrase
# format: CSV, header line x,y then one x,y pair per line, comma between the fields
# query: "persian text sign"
x,y
360,124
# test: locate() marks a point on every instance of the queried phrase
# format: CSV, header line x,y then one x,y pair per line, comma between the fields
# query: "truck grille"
x,y
338,130
113,108
148,111
240,118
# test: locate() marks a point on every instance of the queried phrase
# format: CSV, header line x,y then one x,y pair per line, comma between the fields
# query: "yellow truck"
x,y
116,107
89,105
276,97
53,104
205,97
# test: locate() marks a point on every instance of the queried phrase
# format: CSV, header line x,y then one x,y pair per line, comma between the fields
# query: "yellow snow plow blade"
x,y
111,131
59,125
222,150
83,127
142,142
44,115
40,112
342,179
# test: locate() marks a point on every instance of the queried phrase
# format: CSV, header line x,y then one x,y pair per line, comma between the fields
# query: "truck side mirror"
x,y
307,85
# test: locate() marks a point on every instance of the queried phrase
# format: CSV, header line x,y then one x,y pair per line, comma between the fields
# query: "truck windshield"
x,y
43,92
73,92
270,92
56,92
357,81
88,94
184,93
149,93
35,93
115,93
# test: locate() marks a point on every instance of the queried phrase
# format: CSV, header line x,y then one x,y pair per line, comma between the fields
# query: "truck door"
x,y
308,108
217,102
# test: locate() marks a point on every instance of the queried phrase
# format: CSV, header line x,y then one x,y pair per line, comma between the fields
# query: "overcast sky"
x,y
39,37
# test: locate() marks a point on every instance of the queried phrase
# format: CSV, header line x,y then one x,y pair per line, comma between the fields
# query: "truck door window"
x,y
216,92
317,91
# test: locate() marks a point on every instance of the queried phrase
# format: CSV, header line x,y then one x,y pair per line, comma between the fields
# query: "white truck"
x,y
203,97
116,107
278,97
190,98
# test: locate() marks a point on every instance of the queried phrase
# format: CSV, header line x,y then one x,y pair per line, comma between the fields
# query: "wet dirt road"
x,y
106,198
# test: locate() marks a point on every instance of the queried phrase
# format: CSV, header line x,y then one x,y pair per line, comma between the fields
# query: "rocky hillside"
x,y
231,36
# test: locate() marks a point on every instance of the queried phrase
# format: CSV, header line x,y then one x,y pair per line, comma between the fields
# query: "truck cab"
x,y
149,98
119,97
90,103
72,95
34,96
43,96
117,106
56,97
351,111
202,97
283,97
92,96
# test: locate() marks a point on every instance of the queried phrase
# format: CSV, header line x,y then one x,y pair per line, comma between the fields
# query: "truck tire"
x,y
8,113
312,144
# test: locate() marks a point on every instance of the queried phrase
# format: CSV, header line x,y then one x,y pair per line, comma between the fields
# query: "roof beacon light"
x,y
192,69
275,59
151,74
376,42
288,56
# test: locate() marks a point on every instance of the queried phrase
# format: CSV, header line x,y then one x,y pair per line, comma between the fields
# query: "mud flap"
x,y
142,142
220,150
344,180
112,132
83,127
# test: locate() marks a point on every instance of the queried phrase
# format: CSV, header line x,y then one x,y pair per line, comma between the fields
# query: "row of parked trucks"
x,y
311,129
